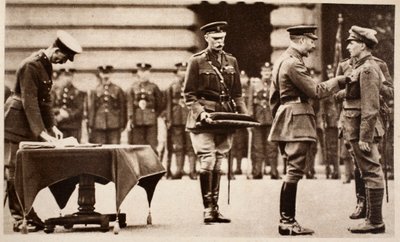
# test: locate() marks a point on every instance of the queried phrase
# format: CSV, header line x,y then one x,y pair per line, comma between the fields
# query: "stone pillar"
x,y
287,15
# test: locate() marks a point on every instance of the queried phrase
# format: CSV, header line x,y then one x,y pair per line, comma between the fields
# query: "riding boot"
x,y
206,192
217,216
180,159
360,210
288,224
192,164
169,158
374,222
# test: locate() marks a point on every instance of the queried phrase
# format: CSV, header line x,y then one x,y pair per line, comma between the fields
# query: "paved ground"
x,y
323,205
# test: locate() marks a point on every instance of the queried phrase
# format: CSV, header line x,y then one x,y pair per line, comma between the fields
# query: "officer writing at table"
x,y
212,84
29,115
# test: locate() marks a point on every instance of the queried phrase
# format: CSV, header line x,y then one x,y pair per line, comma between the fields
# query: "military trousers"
x,y
10,159
240,143
368,163
144,135
107,136
263,151
211,149
297,159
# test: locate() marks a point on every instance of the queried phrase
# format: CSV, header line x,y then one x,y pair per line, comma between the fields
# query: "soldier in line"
x,y
330,117
28,115
263,152
145,104
68,103
293,126
107,109
212,84
362,124
176,115
240,138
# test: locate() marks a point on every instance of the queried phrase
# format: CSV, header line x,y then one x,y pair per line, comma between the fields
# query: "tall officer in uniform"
x,y
178,139
240,139
68,104
347,154
144,106
107,109
362,122
263,152
28,113
294,125
211,83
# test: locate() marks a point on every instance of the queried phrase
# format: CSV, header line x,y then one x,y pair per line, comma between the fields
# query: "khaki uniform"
x,y
178,139
360,116
294,126
203,92
107,114
144,106
263,152
72,100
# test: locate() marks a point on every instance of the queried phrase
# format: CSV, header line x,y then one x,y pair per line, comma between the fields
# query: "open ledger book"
x,y
61,143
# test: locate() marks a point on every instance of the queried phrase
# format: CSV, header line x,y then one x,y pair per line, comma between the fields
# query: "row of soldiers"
x,y
107,111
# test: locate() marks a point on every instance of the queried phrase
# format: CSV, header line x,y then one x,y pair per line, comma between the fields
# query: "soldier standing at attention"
x,y
68,104
179,140
294,126
144,106
362,125
107,110
28,115
212,84
240,139
263,152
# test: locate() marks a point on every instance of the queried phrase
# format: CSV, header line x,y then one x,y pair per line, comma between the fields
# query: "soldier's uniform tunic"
x,y
144,106
263,151
179,140
294,124
26,114
72,100
107,114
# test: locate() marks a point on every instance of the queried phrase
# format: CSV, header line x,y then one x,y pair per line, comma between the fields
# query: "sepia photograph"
x,y
191,120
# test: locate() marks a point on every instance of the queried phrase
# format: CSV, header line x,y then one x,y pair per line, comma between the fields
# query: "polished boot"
x,y
360,210
180,159
217,216
168,174
192,164
374,222
288,224
206,192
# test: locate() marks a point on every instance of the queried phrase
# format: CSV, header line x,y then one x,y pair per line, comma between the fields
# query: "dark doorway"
x,y
378,17
249,30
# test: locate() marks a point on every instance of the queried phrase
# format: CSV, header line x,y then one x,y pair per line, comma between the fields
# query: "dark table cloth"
x,y
59,169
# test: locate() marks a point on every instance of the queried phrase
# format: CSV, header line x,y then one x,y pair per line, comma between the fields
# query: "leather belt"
x,y
287,100
220,98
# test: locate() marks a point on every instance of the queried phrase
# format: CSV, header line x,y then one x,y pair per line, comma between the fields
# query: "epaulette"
x,y
200,53
377,59
226,53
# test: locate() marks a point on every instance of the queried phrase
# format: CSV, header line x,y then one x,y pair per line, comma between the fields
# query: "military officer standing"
x,y
240,139
28,114
68,104
179,140
107,109
144,106
263,152
293,126
362,123
212,84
